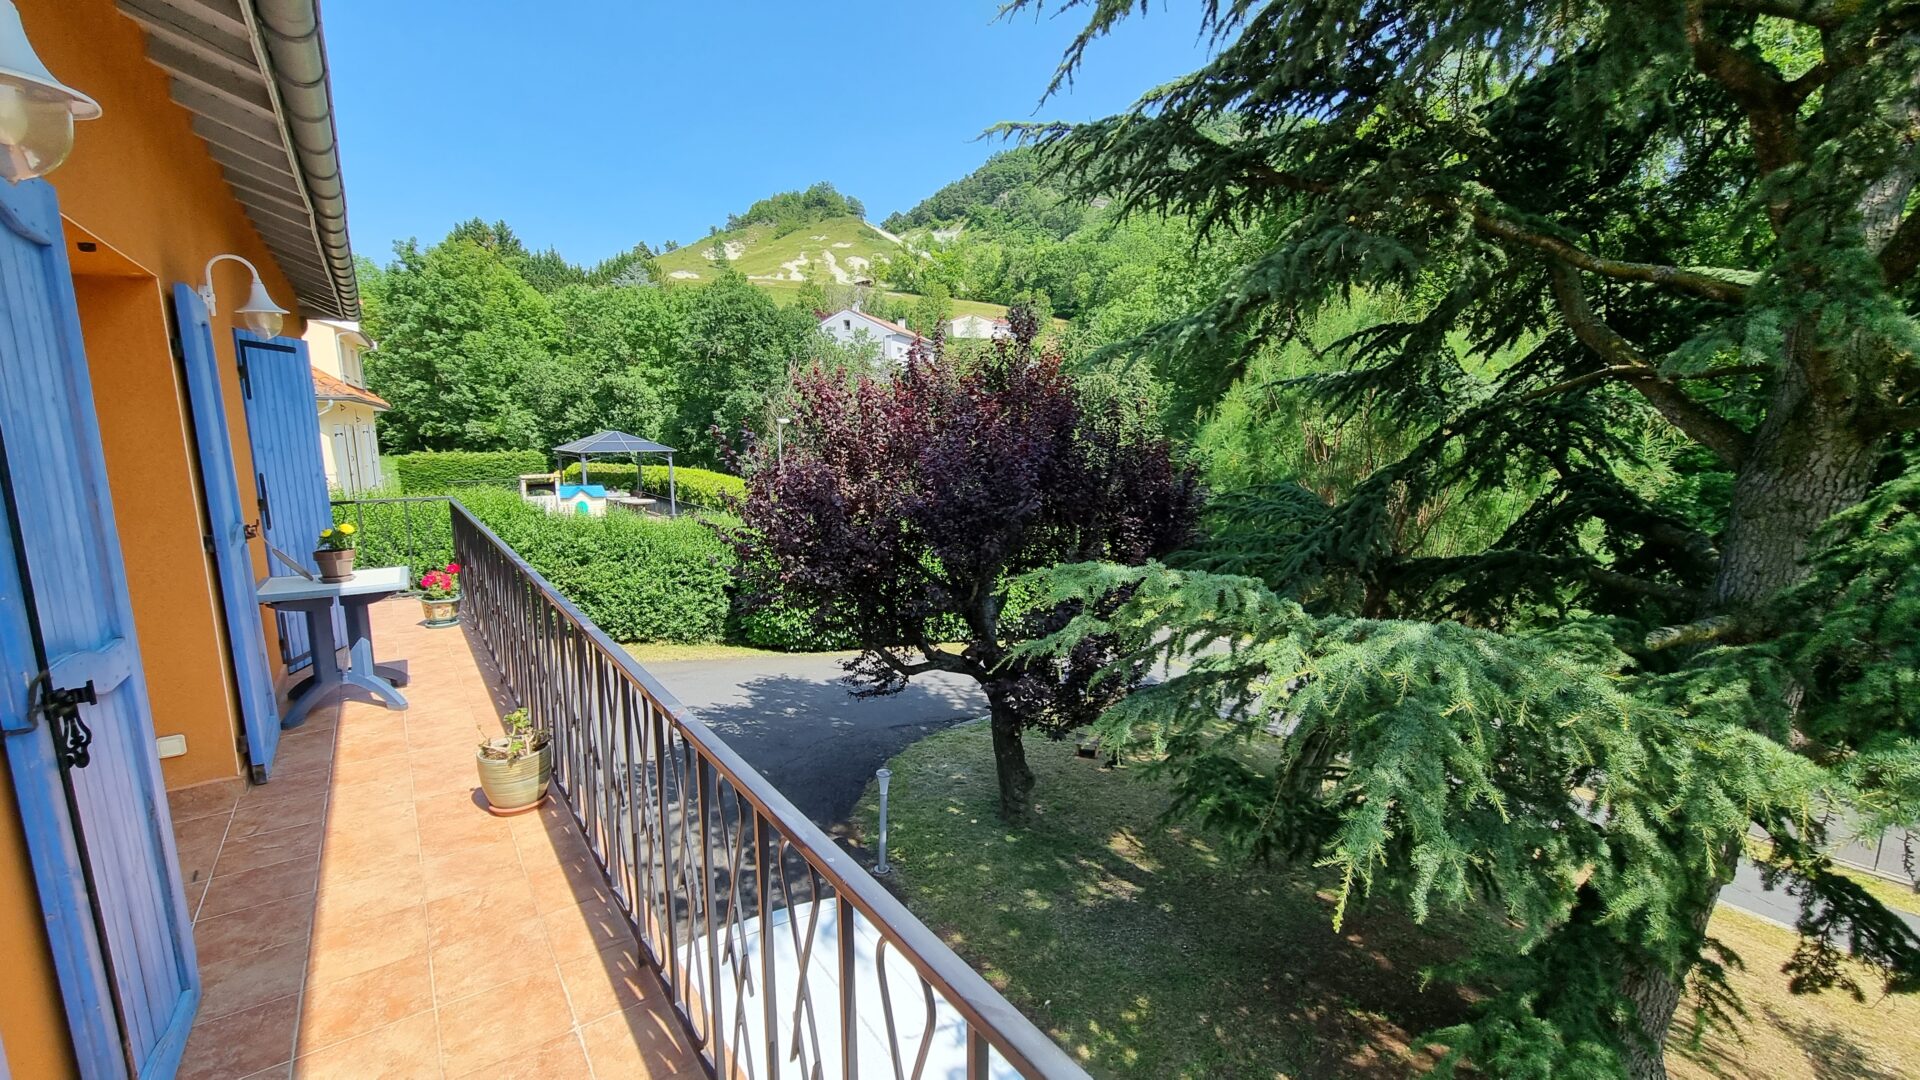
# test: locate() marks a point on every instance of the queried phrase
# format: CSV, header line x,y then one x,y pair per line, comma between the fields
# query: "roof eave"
x,y
254,74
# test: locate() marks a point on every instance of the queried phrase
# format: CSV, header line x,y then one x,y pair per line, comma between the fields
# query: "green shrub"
x,y
441,471
417,535
785,628
610,474
638,578
700,488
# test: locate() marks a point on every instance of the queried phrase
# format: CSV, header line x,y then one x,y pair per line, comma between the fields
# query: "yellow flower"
x,y
346,528
324,533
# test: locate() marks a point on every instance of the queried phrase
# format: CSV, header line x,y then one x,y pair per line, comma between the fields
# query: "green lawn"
x,y
1137,946
667,652
762,255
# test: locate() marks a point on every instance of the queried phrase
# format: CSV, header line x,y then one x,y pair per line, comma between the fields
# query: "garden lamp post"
x,y
880,866
780,441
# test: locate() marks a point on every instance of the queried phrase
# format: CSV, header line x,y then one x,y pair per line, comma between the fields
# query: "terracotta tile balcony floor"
x,y
362,915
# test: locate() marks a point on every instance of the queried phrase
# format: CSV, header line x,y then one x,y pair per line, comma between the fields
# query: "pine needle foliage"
x,y
1700,214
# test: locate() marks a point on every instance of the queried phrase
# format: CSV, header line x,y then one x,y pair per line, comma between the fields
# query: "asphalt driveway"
x,y
793,719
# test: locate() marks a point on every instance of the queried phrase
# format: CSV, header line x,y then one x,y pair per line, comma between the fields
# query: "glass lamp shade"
x,y
265,323
37,111
35,136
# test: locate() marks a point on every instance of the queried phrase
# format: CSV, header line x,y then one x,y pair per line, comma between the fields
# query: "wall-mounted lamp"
x,y
260,313
37,111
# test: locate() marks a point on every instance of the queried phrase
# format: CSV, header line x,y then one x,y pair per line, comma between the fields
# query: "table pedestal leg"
x,y
361,670
326,669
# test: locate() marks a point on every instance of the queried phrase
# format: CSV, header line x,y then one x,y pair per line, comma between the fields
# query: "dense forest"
x,y
486,346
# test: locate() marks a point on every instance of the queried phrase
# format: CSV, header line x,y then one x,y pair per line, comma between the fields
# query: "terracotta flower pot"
x,y
442,610
335,565
516,785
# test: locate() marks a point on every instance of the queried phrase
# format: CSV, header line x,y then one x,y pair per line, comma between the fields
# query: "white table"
x,y
315,600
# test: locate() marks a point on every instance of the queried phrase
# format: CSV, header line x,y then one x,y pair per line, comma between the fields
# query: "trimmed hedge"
x,y
417,535
784,628
438,472
700,488
639,578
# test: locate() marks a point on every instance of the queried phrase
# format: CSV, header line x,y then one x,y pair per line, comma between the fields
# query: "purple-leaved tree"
x,y
899,511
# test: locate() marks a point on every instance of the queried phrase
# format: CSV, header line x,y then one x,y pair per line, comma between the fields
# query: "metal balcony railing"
x,y
782,956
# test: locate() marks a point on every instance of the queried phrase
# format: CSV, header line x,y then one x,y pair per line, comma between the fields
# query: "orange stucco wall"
x,y
143,188
33,1022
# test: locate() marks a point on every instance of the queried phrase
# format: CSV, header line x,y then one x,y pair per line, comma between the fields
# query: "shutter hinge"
x,y
240,361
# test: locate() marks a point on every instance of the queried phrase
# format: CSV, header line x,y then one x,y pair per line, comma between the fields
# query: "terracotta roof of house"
x,y
328,388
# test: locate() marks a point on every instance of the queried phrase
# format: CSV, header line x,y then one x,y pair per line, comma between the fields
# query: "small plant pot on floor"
x,y
515,770
441,610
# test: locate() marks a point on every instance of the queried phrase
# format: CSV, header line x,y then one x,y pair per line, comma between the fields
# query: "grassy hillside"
x,y
781,264
838,249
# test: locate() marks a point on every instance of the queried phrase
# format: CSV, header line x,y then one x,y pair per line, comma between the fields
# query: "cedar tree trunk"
x,y
1808,460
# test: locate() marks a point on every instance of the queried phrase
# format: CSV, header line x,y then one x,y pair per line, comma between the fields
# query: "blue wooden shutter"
x,y
289,471
99,838
226,523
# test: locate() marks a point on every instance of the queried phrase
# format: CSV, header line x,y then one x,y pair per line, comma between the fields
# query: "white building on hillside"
x,y
852,325
978,326
349,443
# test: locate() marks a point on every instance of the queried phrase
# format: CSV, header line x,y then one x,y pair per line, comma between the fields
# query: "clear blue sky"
x,y
589,125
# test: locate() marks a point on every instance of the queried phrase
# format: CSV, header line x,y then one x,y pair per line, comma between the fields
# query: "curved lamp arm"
x,y
261,314
206,280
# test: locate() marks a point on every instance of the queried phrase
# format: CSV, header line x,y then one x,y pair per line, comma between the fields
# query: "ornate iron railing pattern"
x,y
746,909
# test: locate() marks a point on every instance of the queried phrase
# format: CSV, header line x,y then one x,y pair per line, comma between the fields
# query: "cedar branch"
x,y
1707,285
1703,425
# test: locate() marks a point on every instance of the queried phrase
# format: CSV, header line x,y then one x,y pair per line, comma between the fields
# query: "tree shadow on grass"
x,y
1141,947
1830,1051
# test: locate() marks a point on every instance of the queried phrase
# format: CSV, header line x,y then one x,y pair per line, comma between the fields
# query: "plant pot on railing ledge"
x,y
440,595
516,769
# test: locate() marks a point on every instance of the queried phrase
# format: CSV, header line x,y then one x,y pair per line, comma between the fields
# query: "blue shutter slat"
x,y
283,426
226,519
124,954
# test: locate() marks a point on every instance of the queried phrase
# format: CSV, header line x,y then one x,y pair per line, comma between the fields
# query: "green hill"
x,y
836,250
1003,196
781,262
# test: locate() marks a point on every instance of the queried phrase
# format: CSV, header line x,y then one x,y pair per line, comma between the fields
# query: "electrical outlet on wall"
x,y
171,745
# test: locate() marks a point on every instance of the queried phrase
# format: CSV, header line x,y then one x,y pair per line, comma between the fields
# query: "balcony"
x,y
667,914
362,915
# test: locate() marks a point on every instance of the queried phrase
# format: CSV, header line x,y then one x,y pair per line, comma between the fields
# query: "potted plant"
x,y
334,556
440,595
515,769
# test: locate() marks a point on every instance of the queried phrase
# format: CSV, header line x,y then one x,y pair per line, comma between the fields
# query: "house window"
x,y
846,324
350,364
